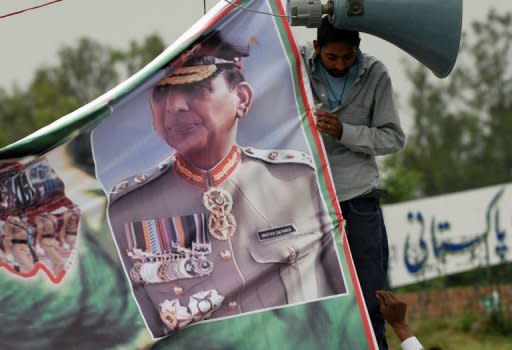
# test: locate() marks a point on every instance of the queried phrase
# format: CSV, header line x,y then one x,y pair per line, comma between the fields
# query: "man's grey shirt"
x,y
371,125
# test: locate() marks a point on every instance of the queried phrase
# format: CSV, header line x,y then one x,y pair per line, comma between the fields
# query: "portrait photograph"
x,y
214,197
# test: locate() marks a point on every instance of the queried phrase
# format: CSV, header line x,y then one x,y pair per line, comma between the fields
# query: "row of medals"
x,y
190,263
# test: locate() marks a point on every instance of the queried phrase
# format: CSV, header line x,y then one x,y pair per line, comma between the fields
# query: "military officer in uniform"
x,y
219,229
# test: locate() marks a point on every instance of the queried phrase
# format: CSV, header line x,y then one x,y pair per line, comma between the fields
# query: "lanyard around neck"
x,y
331,89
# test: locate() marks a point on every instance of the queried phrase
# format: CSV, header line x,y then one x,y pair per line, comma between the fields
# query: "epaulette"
x,y
279,156
127,185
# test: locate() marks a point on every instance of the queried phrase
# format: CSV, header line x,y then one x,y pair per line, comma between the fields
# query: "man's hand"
x,y
329,124
394,311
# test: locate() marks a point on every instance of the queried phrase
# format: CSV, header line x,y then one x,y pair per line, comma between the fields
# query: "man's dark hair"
x,y
327,33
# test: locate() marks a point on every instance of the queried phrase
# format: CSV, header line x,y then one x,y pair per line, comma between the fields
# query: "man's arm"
x,y
393,311
384,135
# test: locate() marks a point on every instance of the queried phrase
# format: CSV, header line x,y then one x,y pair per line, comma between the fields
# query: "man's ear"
x,y
157,112
316,46
245,95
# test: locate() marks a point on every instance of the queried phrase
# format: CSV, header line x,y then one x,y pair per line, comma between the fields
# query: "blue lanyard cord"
x,y
331,90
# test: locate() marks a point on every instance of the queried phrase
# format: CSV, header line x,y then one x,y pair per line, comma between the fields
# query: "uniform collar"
x,y
212,177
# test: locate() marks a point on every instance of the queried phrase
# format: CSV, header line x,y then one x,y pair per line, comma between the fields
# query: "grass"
x,y
450,333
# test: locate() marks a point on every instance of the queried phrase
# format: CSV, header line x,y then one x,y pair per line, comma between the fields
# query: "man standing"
x,y
216,231
358,120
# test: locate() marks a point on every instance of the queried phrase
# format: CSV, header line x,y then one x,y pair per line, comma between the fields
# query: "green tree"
x,y
93,307
138,54
84,71
462,126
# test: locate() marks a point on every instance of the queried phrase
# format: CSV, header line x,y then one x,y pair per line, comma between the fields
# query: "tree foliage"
x,y
93,307
83,72
462,126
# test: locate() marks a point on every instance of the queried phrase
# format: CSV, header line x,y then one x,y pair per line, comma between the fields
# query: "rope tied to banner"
x,y
245,8
29,9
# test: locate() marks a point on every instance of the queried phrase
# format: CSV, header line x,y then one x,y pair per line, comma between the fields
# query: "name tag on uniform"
x,y
275,232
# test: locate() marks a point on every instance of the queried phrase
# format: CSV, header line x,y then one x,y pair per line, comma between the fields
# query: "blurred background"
x,y
57,58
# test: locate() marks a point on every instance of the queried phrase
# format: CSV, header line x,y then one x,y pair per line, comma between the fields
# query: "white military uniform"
x,y
281,252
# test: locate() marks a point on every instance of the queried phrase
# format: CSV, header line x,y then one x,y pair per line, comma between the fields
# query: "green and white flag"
x,y
190,207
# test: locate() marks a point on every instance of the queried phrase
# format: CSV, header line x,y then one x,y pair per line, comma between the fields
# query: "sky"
x,y
32,39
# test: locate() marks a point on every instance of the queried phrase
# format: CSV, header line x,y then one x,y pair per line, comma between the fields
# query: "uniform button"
x,y
139,179
121,186
225,255
272,155
178,290
292,255
204,306
233,305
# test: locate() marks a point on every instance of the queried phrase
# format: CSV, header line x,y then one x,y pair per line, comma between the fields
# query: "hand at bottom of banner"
x,y
201,305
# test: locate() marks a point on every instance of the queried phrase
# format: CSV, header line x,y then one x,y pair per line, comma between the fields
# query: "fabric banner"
x,y
453,233
191,206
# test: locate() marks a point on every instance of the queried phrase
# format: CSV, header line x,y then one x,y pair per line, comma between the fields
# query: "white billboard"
x,y
447,234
